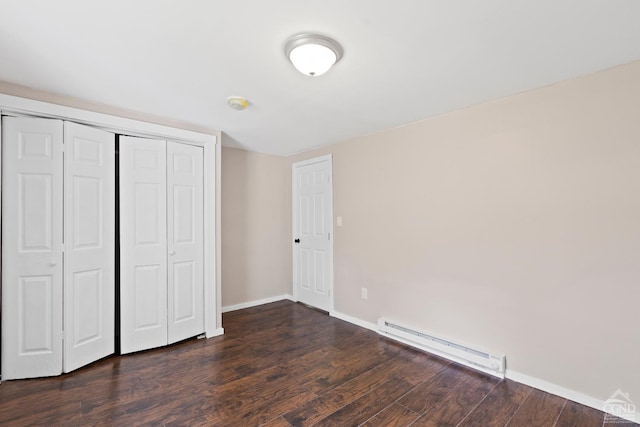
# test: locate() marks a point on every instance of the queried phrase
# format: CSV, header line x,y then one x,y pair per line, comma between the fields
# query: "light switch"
x,y
339,221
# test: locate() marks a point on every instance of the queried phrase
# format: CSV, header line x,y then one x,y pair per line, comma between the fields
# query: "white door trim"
x,y
294,191
13,105
29,107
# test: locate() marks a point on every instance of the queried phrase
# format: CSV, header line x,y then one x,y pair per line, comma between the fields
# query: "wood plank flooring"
x,y
283,365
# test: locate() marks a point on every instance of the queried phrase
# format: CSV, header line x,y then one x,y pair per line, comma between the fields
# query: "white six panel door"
x,y
32,247
59,245
313,222
89,282
143,244
185,222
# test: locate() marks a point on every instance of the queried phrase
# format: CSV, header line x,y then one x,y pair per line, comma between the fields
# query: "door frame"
x,y
294,192
17,106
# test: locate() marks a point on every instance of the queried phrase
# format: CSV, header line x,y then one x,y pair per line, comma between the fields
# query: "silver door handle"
x,y
53,263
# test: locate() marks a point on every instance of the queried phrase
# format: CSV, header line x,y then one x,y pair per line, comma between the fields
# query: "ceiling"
x,y
404,60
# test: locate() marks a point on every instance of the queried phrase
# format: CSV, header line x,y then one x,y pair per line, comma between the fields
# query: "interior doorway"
x,y
313,232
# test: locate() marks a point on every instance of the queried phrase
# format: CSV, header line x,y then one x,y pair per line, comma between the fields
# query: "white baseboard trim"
x,y
514,375
256,302
216,333
566,393
354,320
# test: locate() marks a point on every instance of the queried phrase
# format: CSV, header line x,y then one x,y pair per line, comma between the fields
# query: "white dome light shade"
x,y
312,55
312,59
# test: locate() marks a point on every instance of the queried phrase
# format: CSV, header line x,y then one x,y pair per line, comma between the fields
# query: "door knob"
x,y
53,263
297,241
172,253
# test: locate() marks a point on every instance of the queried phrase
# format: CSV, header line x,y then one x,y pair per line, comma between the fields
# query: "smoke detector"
x,y
237,103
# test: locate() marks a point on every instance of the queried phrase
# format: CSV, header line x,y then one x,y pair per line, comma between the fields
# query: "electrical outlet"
x,y
364,293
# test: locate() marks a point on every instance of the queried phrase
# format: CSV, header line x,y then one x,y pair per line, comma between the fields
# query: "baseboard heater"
x,y
491,364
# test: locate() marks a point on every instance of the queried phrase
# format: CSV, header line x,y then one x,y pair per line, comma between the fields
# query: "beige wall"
x,y
512,226
256,224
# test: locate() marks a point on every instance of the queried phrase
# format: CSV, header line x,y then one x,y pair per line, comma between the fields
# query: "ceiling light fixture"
x,y
312,54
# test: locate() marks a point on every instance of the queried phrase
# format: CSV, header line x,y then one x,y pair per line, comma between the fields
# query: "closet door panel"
x,y
89,286
143,244
32,247
186,245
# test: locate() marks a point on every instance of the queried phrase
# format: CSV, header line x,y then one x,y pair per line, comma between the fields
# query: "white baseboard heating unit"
x,y
491,364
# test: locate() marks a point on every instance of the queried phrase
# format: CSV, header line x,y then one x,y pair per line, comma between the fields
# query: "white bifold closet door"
x,y
89,239
57,192
31,247
161,243
143,244
185,219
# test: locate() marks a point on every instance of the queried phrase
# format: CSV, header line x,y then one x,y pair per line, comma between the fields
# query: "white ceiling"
x,y
404,60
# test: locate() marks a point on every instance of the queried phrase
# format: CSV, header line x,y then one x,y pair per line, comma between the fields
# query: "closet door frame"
x,y
17,106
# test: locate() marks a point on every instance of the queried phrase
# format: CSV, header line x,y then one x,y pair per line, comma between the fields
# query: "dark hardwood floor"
x,y
283,364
